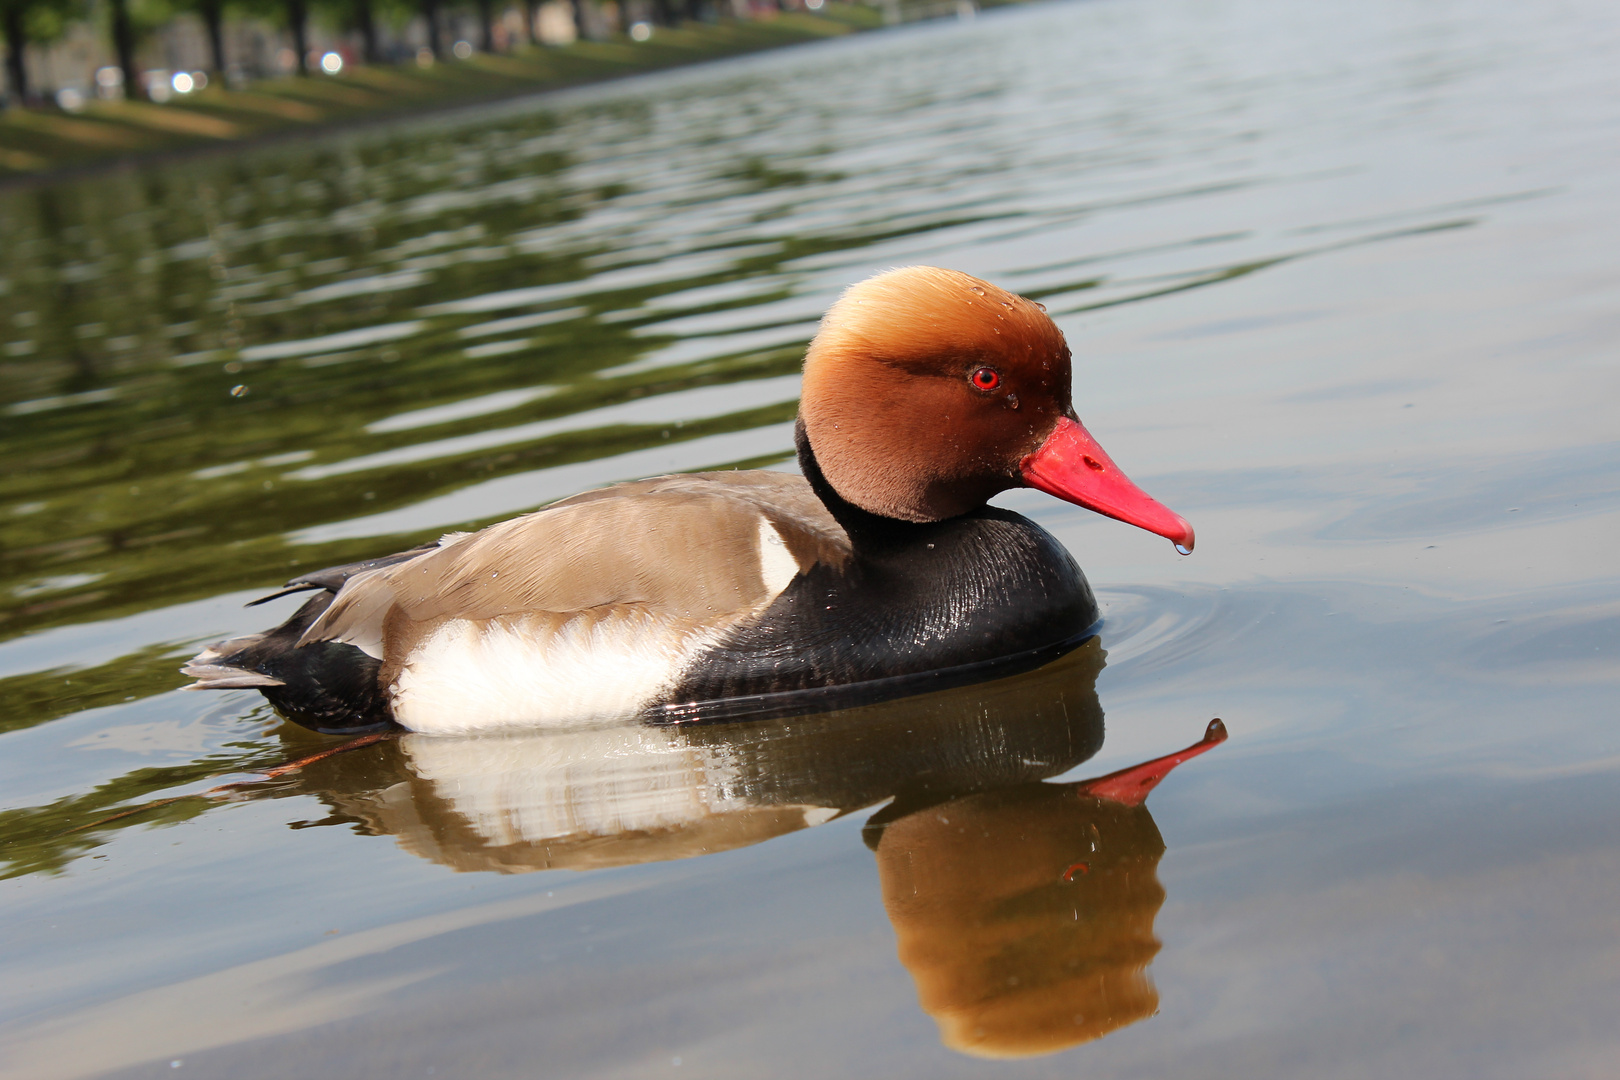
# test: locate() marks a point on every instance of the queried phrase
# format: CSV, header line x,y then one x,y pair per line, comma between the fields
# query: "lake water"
x,y
1342,284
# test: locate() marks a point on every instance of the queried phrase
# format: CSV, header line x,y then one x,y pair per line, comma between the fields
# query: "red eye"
x,y
986,378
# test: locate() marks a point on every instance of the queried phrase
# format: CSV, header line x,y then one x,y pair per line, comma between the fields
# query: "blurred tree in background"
x,y
362,17
32,21
297,16
430,15
123,40
292,15
212,14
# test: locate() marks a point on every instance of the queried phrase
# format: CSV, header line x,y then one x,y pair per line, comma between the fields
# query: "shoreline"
x,y
46,146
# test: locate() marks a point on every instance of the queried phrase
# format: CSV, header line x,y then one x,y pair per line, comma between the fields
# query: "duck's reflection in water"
x,y
1023,909
1025,915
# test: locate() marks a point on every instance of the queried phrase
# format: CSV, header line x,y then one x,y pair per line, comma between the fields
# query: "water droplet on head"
x,y
978,290
1012,400
1183,550
238,391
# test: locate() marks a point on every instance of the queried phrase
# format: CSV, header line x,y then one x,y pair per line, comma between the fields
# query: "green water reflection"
x,y
206,364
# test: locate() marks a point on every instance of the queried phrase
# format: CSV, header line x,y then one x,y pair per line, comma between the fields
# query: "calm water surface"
x,y
1342,284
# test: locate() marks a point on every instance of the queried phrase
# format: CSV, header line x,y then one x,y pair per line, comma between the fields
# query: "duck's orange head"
x,y
927,391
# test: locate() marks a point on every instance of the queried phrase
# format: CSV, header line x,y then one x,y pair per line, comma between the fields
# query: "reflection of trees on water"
x,y
132,306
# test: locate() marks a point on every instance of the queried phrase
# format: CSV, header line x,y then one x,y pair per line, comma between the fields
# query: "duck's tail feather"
x,y
333,577
286,590
226,677
228,647
327,685
221,666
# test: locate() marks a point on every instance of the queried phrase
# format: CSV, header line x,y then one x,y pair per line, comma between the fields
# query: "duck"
x,y
878,571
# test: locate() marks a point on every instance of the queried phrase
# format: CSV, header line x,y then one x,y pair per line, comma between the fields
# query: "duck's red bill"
x,y
1073,467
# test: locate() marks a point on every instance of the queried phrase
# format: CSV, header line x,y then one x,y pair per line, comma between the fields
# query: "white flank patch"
x,y
777,566
531,671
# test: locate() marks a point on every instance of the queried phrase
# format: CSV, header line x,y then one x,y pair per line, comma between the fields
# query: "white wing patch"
x,y
777,566
541,670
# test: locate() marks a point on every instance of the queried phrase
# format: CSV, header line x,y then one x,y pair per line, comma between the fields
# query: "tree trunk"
x,y
486,22
298,23
367,25
664,13
16,42
213,17
581,25
123,35
430,15
531,13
